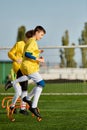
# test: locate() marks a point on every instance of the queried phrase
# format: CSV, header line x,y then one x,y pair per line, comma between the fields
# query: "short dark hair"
x,y
39,28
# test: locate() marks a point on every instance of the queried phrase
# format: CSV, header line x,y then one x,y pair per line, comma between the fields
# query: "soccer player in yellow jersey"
x,y
30,67
16,55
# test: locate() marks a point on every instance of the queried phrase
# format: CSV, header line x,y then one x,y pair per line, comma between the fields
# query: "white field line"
x,y
50,94
64,93
62,110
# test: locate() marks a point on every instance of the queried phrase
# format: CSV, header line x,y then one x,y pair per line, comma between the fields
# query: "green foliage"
x,y
83,41
62,64
21,33
65,39
67,55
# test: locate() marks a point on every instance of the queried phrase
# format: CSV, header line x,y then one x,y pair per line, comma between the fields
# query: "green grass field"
x,y
60,112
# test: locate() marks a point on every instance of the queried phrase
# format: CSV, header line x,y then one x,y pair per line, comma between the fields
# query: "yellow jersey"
x,y
16,53
30,66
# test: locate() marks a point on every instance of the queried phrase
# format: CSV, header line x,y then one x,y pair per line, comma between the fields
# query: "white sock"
x,y
37,94
23,104
17,89
20,79
31,94
24,94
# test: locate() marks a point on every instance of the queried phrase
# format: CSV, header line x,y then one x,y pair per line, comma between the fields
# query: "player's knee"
x,y
41,83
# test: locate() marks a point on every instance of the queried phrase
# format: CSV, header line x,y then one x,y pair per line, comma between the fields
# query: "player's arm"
x,y
41,51
29,55
11,53
29,52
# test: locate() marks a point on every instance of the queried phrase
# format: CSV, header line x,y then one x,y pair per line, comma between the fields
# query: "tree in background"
x,y
67,54
21,33
62,64
83,41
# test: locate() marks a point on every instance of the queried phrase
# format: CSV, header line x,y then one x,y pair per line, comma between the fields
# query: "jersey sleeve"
x,y
11,53
29,55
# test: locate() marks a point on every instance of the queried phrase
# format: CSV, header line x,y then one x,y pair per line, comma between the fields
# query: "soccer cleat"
x,y
27,101
8,85
35,112
24,112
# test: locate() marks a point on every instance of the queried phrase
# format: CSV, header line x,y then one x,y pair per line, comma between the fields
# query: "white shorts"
x,y
36,77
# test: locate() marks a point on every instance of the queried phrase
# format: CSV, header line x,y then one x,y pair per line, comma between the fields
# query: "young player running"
x,y
16,55
30,67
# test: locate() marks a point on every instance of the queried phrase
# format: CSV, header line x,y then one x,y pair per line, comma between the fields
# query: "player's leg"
x,y
18,91
24,86
31,94
36,77
9,84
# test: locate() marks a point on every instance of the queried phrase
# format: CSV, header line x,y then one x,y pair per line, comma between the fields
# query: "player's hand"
x,y
40,59
19,61
41,51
